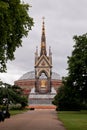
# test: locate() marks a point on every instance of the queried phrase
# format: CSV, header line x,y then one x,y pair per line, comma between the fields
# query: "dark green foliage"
x,y
23,101
73,94
15,23
13,94
78,67
66,99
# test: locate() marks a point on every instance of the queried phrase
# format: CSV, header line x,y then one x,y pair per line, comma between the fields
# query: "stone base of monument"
x,y
41,101
32,107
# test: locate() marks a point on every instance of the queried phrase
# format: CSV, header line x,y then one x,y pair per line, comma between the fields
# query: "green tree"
x,y
73,94
67,98
78,66
23,101
15,24
13,94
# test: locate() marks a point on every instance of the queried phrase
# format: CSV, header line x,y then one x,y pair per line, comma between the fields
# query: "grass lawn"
x,y
14,112
75,120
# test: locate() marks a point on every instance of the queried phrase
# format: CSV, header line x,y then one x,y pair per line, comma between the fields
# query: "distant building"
x,y
42,79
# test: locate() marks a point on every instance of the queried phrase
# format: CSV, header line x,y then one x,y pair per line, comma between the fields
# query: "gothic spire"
x,y
43,40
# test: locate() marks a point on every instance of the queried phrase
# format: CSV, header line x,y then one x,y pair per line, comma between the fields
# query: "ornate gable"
x,y
43,61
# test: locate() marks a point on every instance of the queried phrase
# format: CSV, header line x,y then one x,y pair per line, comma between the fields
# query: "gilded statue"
x,y
43,83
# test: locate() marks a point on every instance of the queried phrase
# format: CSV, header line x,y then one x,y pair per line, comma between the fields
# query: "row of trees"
x,y
72,95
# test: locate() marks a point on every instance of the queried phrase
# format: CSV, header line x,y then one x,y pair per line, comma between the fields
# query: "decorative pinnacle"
x,y
43,28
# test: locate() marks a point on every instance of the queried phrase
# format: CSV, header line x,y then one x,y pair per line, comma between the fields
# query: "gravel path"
x,y
33,120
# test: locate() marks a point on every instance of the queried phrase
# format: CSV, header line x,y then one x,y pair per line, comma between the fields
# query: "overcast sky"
x,y
63,20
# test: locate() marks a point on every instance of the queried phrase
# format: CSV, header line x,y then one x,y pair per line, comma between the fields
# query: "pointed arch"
x,y
43,71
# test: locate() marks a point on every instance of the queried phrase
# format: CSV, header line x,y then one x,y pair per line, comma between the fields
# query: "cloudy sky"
x,y
63,20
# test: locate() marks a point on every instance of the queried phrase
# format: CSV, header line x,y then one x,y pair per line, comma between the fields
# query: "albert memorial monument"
x,y
40,85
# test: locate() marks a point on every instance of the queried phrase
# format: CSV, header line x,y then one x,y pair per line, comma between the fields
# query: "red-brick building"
x,y
27,81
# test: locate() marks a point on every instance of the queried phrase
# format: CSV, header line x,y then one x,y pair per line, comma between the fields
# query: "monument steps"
x,y
41,101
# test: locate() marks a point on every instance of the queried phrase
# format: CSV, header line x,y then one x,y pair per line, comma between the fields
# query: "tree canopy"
x,y
73,94
15,23
14,94
78,66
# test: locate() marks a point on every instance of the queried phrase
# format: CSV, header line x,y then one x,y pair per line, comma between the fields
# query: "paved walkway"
x,y
33,120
